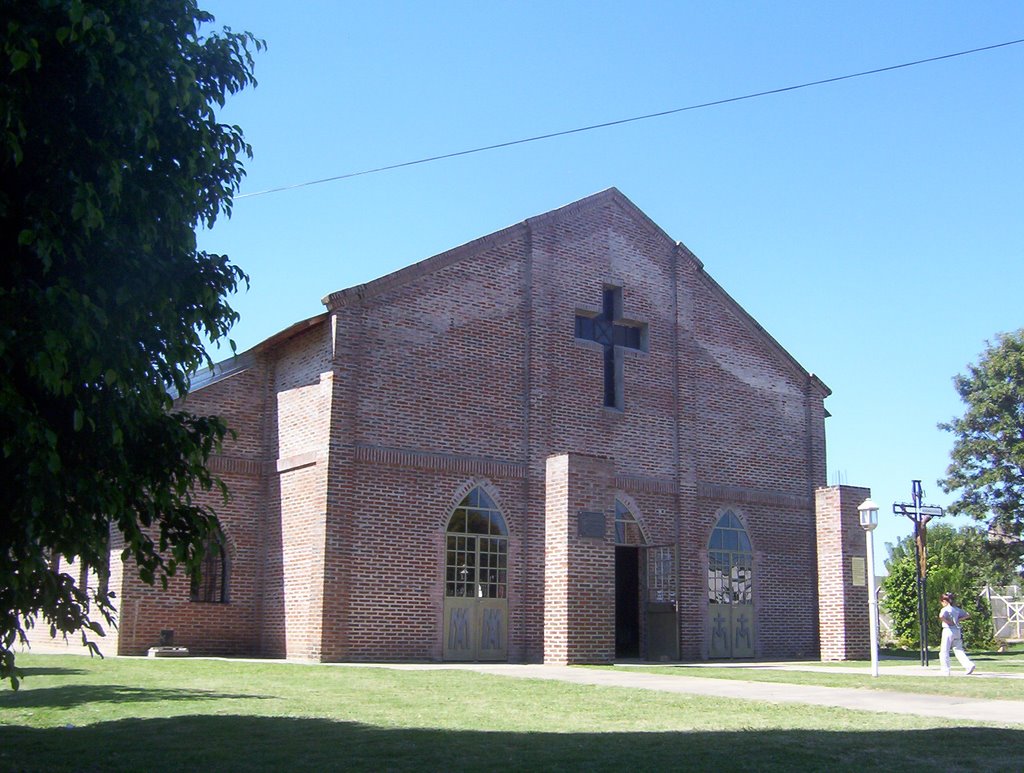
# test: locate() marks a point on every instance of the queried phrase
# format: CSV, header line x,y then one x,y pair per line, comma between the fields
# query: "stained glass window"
x,y
730,562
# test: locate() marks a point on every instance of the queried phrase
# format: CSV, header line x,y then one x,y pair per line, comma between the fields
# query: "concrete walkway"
x,y
968,710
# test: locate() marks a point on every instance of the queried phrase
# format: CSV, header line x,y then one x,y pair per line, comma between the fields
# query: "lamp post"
x,y
868,521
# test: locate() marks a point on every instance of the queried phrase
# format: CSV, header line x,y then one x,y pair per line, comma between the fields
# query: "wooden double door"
x,y
476,600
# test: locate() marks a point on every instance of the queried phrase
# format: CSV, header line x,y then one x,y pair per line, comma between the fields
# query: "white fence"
x,y
1007,612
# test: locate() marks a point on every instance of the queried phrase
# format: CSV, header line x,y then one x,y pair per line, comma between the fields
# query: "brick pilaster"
x,y
843,616
579,597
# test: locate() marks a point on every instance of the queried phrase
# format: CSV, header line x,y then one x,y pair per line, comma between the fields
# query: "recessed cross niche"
x,y
614,333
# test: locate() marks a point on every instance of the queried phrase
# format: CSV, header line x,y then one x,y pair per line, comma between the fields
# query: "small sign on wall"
x,y
858,566
591,524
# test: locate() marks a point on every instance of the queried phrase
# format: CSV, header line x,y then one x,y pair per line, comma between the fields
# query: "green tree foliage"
x,y
987,468
111,157
959,561
899,599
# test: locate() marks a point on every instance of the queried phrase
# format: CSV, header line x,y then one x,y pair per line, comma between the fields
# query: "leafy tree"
x,y
110,157
899,599
987,468
959,561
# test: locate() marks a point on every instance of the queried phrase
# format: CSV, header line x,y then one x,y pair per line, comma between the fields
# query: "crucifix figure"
x,y
614,333
920,514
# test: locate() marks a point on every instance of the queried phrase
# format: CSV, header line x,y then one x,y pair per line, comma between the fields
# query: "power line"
x,y
621,121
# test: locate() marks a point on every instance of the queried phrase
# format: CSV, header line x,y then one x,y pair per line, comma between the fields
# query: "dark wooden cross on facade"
x,y
614,333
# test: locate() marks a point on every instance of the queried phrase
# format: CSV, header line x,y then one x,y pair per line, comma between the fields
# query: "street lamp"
x,y
868,521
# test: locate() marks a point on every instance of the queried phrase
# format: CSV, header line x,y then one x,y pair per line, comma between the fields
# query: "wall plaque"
x,y
591,524
858,567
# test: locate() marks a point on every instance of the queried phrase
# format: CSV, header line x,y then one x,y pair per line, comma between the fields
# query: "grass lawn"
x,y
75,713
959,685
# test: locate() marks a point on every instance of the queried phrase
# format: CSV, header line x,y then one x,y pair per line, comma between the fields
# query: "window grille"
x,y
477,549
730,563
210,585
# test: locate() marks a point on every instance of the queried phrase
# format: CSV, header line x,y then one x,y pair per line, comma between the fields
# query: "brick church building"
x,y
562,442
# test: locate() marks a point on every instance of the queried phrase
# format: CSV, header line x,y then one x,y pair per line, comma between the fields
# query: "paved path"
x,y
1002,712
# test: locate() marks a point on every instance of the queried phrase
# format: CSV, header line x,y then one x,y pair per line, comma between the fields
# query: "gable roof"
x,y
358,293
245,360
469,249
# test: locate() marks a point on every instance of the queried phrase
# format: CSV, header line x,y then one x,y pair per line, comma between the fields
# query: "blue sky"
x,y
875,227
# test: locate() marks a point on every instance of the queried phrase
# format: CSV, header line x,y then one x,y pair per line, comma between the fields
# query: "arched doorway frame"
x,y
476,575
730,586
629,506
630,542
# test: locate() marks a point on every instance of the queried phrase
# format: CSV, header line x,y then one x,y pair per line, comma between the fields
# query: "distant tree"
x,y
987,468
960,562
899,598
110,157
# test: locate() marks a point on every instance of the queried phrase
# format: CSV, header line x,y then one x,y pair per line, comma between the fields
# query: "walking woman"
x,y
951,616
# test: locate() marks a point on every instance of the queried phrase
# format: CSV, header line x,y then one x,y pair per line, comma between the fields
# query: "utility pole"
x,y
920,514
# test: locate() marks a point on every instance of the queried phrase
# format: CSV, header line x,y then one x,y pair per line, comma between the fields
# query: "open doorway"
x,y
627,601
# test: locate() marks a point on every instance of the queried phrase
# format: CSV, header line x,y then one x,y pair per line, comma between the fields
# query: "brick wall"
x,y
579,589
844,621
211,628
463,370
302,389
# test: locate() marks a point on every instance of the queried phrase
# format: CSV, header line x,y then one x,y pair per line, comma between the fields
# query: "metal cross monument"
x,y
920,514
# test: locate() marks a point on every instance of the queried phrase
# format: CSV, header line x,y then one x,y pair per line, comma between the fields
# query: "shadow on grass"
x,y
23,672
265,743
78,695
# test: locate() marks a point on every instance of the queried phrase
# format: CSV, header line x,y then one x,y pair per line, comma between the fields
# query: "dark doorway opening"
x,y
627,602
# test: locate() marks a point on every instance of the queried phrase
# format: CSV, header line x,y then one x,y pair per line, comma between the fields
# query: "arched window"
x,y
477,549
730,562
627,530
732,617
211,584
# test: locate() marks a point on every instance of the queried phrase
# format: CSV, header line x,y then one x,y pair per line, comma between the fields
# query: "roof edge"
x,y
608,195
810,378
397,278
496,239
244,360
